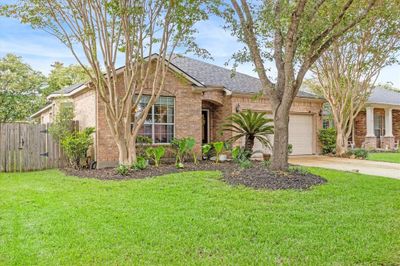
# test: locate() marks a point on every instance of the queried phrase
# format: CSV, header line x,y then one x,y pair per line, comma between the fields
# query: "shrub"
x,y
206,150
240,154
76,144
219,147
122,169
140,164
155,154
141,143
267,163
183,147
63,122
298,170
250,125
328,140
245,164
358,153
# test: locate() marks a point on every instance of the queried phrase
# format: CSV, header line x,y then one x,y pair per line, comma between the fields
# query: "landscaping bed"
x,y
258,176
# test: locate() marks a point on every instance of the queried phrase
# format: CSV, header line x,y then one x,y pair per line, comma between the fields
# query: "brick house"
x,y
378,126
198,96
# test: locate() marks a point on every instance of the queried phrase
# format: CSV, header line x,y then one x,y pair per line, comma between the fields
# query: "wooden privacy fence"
x,y
27,147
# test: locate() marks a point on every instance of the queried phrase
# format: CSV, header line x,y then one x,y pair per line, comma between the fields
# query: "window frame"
x,y
153,123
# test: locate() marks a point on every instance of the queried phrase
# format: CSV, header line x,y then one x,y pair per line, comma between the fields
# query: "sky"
x,y
40,49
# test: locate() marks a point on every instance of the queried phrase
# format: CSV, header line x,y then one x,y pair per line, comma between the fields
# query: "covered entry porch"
x,y
382,127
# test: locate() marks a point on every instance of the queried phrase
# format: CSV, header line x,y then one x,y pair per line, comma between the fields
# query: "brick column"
x,y
388,140
370,138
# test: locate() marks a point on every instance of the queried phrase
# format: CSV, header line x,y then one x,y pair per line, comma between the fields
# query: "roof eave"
x,y
40,111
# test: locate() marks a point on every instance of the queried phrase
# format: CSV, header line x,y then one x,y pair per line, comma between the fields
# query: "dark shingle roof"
x,y
212,75
384,96
69,89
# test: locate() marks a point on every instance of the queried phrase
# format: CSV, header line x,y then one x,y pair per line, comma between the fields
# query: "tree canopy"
x,y
62,76
20,88
291,35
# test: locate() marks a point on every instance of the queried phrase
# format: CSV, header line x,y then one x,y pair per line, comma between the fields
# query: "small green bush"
x,y
267,163
240,154
122,169
246,164
76,144
140,164
183,147
141,143
63,122
179,165
206,150
328,140
155,154
219,147
358,153
298,170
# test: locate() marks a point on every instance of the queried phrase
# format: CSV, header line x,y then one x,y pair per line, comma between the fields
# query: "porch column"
x,y
388,140
370,139
370,122
388,122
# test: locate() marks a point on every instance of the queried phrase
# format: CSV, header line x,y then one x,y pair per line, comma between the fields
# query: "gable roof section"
x,y
384,96
215,76
202,74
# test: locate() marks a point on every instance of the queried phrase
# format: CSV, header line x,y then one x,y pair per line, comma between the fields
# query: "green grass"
x,y
391,157
194,218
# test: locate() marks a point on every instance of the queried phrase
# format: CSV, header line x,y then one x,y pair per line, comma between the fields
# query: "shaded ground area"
x,y
193,218
258,176
391,170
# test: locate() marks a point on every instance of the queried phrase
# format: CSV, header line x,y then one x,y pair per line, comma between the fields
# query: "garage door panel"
x,y
300,136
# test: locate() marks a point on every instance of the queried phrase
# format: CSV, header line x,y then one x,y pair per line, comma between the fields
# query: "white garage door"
x,y
300,136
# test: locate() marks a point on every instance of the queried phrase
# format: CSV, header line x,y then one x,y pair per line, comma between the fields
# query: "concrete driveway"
x,y
391,170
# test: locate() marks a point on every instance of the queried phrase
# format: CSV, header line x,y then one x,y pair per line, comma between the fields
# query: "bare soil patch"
x,y
258,176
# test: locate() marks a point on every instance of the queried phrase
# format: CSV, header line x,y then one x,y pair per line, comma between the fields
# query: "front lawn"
x,y
195,218
391,157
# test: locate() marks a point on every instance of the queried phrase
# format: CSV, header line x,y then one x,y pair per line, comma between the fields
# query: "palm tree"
x,y
250,125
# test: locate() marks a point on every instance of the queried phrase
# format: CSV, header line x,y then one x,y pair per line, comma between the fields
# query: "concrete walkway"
x,y
391,170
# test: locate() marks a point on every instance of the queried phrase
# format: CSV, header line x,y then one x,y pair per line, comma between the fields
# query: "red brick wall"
x,y
396,124
360,128
187,119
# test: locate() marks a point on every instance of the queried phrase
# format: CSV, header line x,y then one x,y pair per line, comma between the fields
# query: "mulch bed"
x,y
258,176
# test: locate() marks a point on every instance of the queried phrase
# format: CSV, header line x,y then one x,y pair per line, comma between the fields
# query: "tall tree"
x,y
293,35
134,29
19,89
345,74
61,76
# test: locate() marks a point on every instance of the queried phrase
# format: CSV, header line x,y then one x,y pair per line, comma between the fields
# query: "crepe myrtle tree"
x,y
292,35
346,73
107,30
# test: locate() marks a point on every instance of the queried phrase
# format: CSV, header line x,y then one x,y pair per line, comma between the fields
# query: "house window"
x,y
159,124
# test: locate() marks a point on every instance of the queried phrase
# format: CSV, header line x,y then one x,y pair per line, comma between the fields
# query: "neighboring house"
x,y
378,126
197,98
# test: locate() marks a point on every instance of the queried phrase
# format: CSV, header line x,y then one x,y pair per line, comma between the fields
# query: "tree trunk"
x,y
341,142
249,144
132,151
279,160
123,152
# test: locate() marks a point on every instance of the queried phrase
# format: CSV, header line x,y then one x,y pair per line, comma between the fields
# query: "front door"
x,y
205,114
